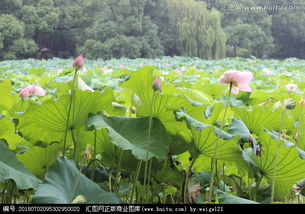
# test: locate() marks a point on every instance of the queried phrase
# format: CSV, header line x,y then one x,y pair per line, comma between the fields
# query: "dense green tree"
x,y
12,44
150,28
41,18
288,28
157,10
122,30
10,6
198,31
246,26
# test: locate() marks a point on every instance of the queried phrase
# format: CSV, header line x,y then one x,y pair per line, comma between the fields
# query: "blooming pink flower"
x,y
39,91
292,87
177,70
26,92
157,84
31,90
239,80
78,62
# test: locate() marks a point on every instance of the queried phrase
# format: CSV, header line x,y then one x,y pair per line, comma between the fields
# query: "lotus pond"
x,y
152,131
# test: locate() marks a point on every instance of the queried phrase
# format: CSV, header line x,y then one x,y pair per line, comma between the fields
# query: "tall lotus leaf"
x,y
163,106
47,122
226,198
204,137
11,168
192,94
38,159
290,167
7,100
64,182
132,134
239,128
260,118
109,152
296,113
103,143
104,146
214,90
214,113
19,108
7,132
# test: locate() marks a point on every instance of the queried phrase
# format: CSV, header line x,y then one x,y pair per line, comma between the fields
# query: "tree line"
x,y
209,29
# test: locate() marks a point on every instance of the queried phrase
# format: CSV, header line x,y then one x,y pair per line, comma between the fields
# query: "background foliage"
x,y
149,28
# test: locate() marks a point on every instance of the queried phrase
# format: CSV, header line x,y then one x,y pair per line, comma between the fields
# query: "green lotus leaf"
x,y
163,105
258,119
205,137
7,100
47,122
11,168
290,167
132,134
38,159
64,183
7,132
226,198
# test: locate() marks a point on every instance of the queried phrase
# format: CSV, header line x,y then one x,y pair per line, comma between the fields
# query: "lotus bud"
x,y
78,62
157,84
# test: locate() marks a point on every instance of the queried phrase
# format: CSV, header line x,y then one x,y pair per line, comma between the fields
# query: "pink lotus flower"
x,y
31,90
157,84
292,87
177,70
239,80
78,62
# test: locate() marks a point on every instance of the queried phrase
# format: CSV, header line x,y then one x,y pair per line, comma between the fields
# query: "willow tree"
x,y
198,31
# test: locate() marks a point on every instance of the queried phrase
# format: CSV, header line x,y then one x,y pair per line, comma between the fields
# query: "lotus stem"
x,y
136,177
69,111
276,156
257,183
216,147
94,153
149,171
75,143
299,126
186,180
147,144
116,184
